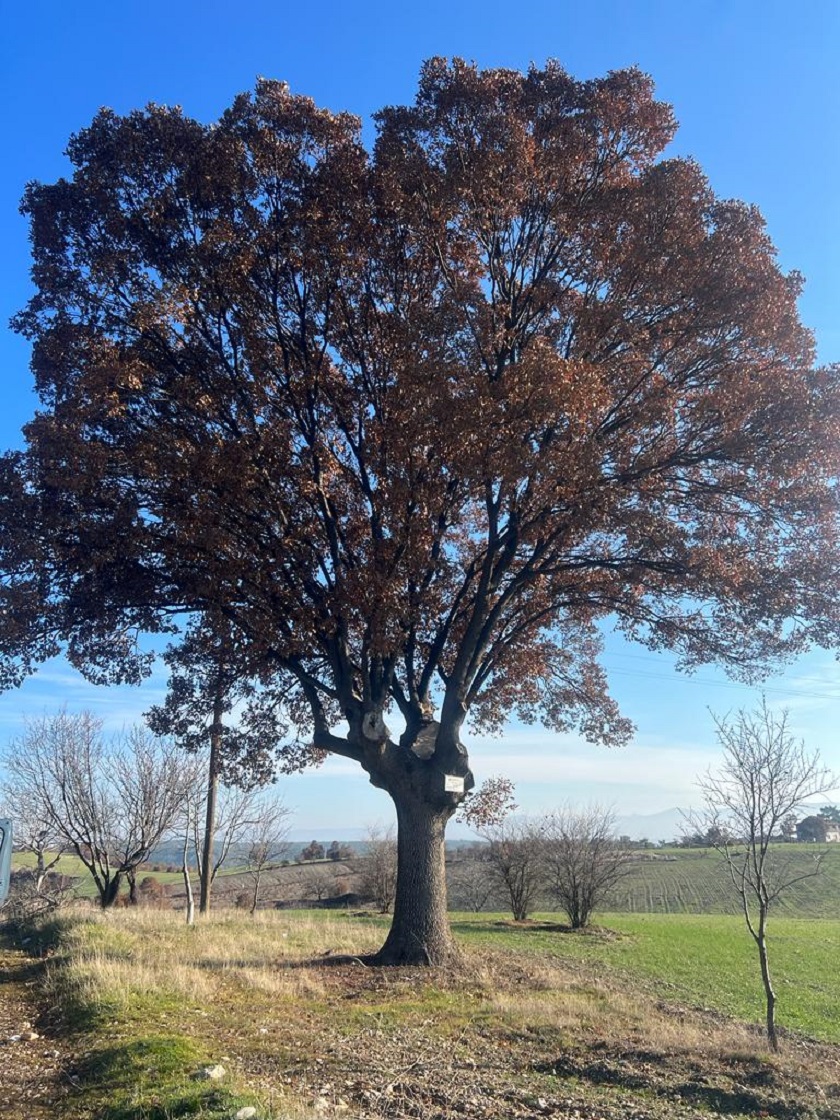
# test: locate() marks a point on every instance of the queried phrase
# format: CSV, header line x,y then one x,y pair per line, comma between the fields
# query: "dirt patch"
x,y
32,1058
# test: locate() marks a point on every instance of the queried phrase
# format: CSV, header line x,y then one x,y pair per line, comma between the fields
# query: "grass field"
x,y
67,864
633,1020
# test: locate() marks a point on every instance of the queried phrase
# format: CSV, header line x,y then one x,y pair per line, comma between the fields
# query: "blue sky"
x,y
754,86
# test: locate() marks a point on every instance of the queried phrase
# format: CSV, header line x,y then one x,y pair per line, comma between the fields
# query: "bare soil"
x,y
33,1056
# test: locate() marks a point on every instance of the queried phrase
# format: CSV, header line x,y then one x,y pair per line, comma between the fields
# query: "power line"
x,y
678,678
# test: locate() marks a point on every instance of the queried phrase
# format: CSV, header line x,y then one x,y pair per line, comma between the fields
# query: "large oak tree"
x,y
406,424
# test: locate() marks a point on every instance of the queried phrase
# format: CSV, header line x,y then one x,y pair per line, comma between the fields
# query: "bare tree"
x,y
515,854
583,860
514,850
315,881
110,803
268,840
236,814
33,832
471,883
765,776
378,868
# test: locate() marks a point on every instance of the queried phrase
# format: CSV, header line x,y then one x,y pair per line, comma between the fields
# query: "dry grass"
x,y
112,958
551,995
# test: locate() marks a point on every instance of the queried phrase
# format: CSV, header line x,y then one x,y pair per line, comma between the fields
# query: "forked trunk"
x,y
111,892
420,932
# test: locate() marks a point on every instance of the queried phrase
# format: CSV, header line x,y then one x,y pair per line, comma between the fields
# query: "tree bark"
x,y
210,815
420,932
190,911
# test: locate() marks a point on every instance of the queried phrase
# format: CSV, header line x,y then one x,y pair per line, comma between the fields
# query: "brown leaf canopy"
x,y
412,421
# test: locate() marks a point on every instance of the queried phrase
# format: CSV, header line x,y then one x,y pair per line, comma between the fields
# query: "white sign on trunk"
x,y
453,784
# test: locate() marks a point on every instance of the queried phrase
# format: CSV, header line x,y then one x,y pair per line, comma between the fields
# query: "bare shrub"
x,y
33,896
582,859
471,882
152,893
378,868
514,844
515,861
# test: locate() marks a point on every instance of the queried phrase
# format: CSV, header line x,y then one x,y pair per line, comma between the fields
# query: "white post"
x,y
5,858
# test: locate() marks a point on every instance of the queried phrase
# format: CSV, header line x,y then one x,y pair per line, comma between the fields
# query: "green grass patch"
x,y
139,1063
149,1078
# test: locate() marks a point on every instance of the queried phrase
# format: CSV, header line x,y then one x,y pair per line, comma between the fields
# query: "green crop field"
x,y
85,888
694,881
676,881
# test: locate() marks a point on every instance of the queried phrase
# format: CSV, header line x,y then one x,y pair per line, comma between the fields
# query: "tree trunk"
x,y
185,870
212,795
111,892
420,932
520,912
40,871
769,993
131,875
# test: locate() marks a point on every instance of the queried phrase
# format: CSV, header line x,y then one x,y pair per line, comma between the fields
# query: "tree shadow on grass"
x,y
728,1102
737,1100
532,925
